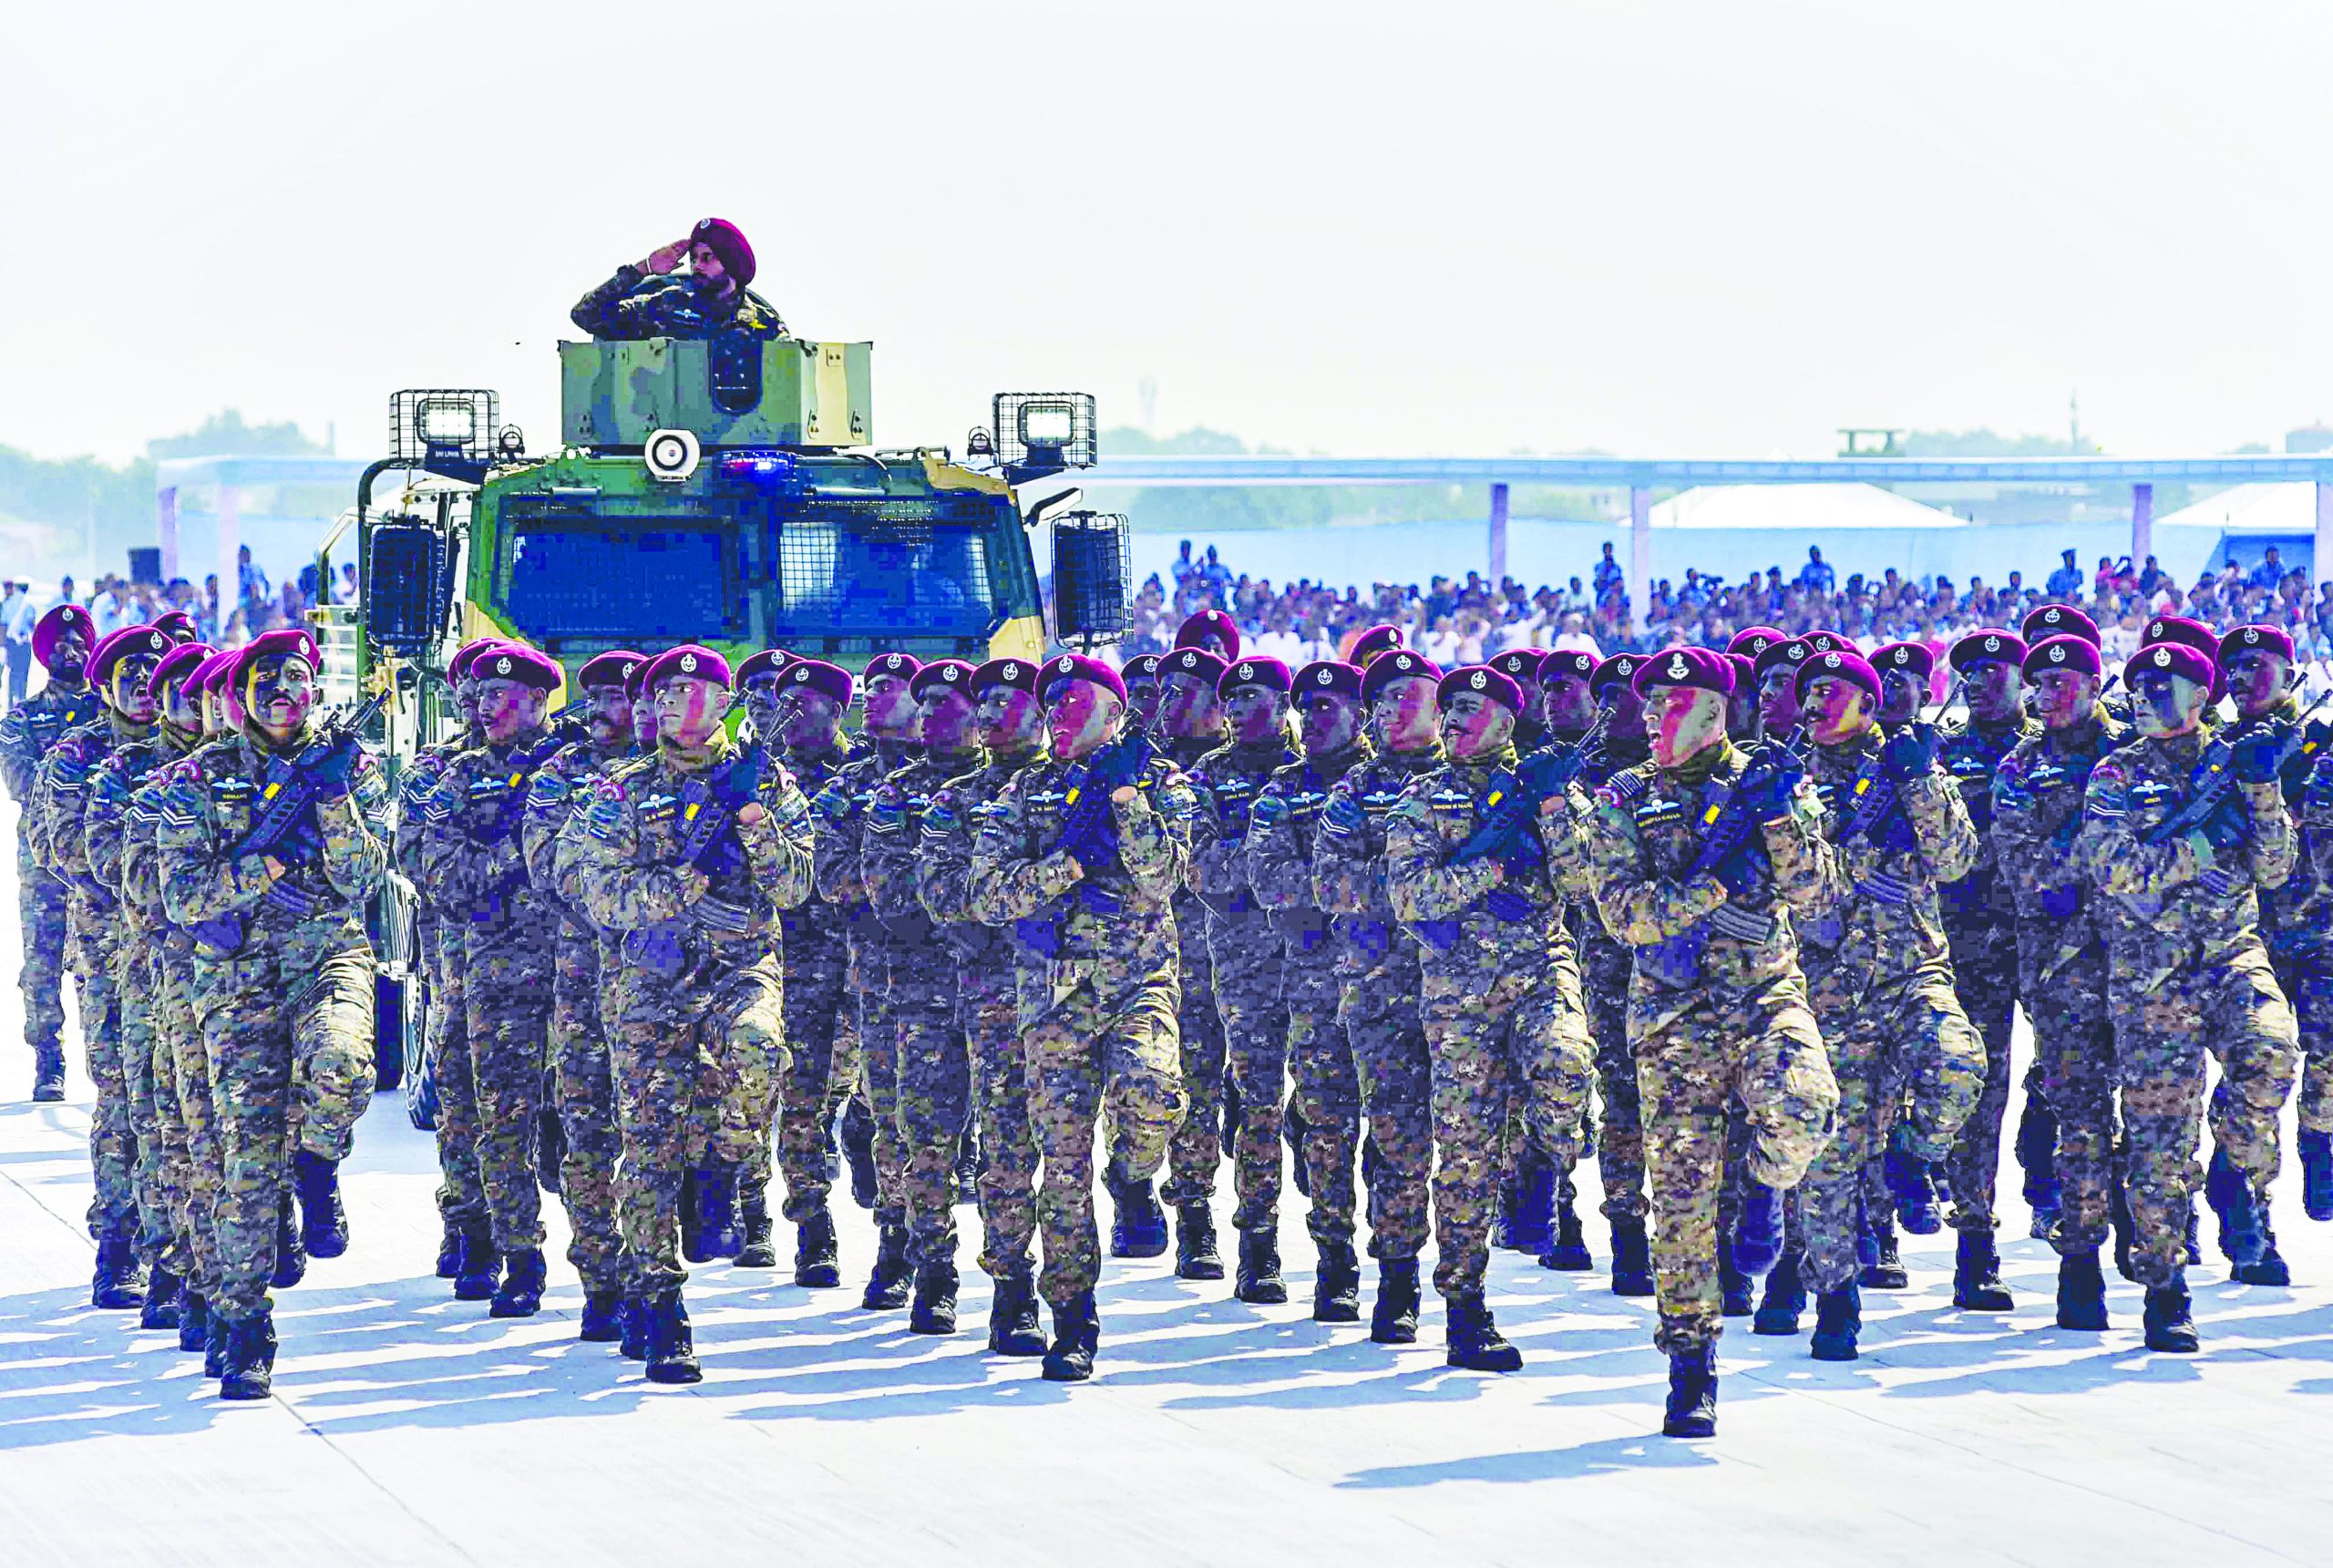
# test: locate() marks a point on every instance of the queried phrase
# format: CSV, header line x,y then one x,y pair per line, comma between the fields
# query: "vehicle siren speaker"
x,y
670,455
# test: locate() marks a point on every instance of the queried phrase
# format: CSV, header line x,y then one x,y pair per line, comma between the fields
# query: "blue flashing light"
x,y
762,468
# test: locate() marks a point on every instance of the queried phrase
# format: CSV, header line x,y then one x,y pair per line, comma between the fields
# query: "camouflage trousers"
x,y
1699,1054
291,1059
1328,1091
1082,1052
817,965
752,1082
189,1067
2306,976
1620,1132
583,1083
875,956
932,1101
989,1015
672,1047
505,1013
40,899
1984,972
1254,1035
2073,1052
1394,1072
1521,1036
150,1088
2163,1033
461,1192
113,1143
1198,1149
1908,1035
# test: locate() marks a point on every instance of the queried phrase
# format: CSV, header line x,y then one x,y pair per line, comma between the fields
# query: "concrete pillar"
x,y
1639,549
1499,536
2142,525
230,528
166,529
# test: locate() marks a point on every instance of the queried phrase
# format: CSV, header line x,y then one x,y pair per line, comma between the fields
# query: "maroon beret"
x,y
1797,650
1269,674
941,675
817,675
1196,663
129,643
2060,619
612,668
1498,688
1844,662
1752,641
692,660
2179,628
1519,664
1143,666
1330,675
1397,665
2273,638
2070,652
1020,674
1555,666
214,665
767,661
1745,672
1828,642
723,240
1917,656
1078,667
1210,623
2179,659
903,665
176,624
1375,641
284,642
185,659
1986,643
1620,667
514,661
458,667
53,627
633,676
1685,667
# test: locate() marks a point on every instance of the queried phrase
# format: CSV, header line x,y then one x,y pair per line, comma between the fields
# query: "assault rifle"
x,y
1087,828
1517,796
1728,826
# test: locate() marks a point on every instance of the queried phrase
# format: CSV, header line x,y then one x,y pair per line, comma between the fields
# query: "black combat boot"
x,y
971,1160
858,1149
1077,1332
693,1221
194,1322
1632,1258
2170,1323
1012,1317
1886,1270
48,1074
1532,1228
756,1246
1336,1284
2037,1152
2082,1292
1569,1250
2243,1226
1912,1182
1394,1321
520,1294
1138,1228
1786,1296
1510,1194
2316,1150
2195,1247
1475,1342
1838,1319
449,1249
119,1281
163,1302
1737,1293
291,1253
633,1344
323,1218
672,1348
550,1147
886,1287
248,1369
934,1311
1691,1411
1194,1254
1258,1282
2271,1267
481,1268
817,1258
603,1321
716,1197
2118,1217
214,1347
1759,1232
1977,1275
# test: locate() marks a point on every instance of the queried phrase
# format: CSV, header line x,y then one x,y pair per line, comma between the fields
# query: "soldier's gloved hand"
x,y
736,785
330,766
2226,829
1911,752
2258,753
2316,736
834,801
1766,791
1344,815
1271,812
887,811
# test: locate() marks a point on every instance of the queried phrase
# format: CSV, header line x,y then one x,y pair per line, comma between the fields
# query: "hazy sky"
x,y
1652,228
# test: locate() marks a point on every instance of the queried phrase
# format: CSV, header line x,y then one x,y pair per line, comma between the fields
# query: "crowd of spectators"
x,y
1466,619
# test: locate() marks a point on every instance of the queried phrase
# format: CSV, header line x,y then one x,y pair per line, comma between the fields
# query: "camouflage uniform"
x,y
1879,977
30,729
1980,927
933,1094
2294,921
678,1042
637,304
2186,973
818,962
1249,967
1094,975
287,1012
1607,969
1328,1089
1198,1149
502,935
2062,961
1499,1000
1377,996
1729,1021
987,1008
461,1192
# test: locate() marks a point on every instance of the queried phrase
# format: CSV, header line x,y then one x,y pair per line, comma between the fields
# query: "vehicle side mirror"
x,y
1093,578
